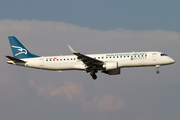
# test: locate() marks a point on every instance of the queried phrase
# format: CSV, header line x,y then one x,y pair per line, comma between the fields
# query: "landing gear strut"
x,y
93,74
157,67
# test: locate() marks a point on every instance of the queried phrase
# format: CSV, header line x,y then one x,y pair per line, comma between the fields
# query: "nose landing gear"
x,y
157,67
157,72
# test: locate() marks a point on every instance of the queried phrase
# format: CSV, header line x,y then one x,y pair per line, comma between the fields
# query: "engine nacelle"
x,y
110,66
113,72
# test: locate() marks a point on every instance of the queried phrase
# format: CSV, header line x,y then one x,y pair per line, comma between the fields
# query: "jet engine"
x,y
110,66
112,72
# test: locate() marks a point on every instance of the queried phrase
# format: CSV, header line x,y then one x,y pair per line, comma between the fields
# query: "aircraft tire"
x,y
94,77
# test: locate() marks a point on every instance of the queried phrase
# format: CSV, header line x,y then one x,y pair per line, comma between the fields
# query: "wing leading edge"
x,y
88,61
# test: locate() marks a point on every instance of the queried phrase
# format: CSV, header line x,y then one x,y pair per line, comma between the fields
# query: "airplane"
x,y
108,63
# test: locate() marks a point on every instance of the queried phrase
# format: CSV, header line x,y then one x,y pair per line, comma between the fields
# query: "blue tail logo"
x,y
18,50
21,50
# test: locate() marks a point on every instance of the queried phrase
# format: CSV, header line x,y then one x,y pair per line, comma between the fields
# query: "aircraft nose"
x,y
172,60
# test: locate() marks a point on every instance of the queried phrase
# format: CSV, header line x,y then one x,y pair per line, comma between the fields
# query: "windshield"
x,y
163,54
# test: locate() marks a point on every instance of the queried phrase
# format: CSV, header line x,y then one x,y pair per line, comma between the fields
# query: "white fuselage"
x,y
133,59
109,63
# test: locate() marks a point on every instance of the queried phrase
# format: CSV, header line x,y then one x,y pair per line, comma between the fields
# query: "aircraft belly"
x,y
123,63
58,66
79,67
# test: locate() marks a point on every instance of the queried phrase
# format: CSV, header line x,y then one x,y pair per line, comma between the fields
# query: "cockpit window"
x,y
163,55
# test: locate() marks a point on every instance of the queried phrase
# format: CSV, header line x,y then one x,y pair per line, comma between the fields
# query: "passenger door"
x,y
154,56
41,61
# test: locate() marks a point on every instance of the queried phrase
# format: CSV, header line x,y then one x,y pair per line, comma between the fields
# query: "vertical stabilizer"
x,y
18,50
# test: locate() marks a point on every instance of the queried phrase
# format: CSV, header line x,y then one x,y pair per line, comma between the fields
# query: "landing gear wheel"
x,y
157,67
157,72
93,75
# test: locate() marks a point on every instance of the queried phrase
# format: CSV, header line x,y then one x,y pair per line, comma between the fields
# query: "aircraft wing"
x,y
88,61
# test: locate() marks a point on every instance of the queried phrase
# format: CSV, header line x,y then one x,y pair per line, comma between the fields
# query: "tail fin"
x,y
18,50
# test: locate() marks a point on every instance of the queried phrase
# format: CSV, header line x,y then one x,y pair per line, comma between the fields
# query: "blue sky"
x,y
98,14
90,26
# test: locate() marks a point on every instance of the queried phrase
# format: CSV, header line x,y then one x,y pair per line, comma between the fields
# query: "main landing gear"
x,y
157,67
93,74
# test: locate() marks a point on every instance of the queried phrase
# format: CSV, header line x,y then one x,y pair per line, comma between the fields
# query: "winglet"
x,y
73,51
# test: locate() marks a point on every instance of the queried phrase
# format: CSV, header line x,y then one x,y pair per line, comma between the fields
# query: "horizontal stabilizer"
x,y
15,59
